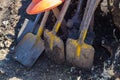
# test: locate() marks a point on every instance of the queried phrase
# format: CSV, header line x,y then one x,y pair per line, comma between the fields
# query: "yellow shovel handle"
x,y
59,21
89,11
40,30
61,16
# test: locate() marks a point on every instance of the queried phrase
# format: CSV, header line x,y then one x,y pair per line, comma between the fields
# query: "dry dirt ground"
x,y
12,14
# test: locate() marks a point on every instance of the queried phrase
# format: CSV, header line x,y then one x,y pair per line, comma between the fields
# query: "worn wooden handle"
x,y
40,30
61,16
89,11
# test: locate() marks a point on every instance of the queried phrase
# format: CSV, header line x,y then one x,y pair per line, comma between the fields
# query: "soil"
x,y
106,43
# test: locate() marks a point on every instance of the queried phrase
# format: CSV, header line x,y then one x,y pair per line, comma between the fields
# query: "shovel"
x,y
77,51
54,46
31,46
19,57
28,26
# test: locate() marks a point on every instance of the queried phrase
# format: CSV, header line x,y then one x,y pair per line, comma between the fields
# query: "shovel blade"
x,y
85,60
57,53
27,52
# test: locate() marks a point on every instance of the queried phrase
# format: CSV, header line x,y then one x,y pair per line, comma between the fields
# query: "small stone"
x,y
7,43
92,68
111,72
79,78
1,45
72,69
5,23
2,72
3,51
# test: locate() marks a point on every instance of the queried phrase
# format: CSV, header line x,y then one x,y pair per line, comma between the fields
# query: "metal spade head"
x,y
57,52
85,59
31,46
27,51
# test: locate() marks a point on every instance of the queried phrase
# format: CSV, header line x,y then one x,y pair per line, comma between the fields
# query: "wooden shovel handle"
x,y
61,16
44,19
89,11
56,13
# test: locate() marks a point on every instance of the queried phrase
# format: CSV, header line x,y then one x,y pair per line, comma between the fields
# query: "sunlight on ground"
x,y
14,78
3,54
